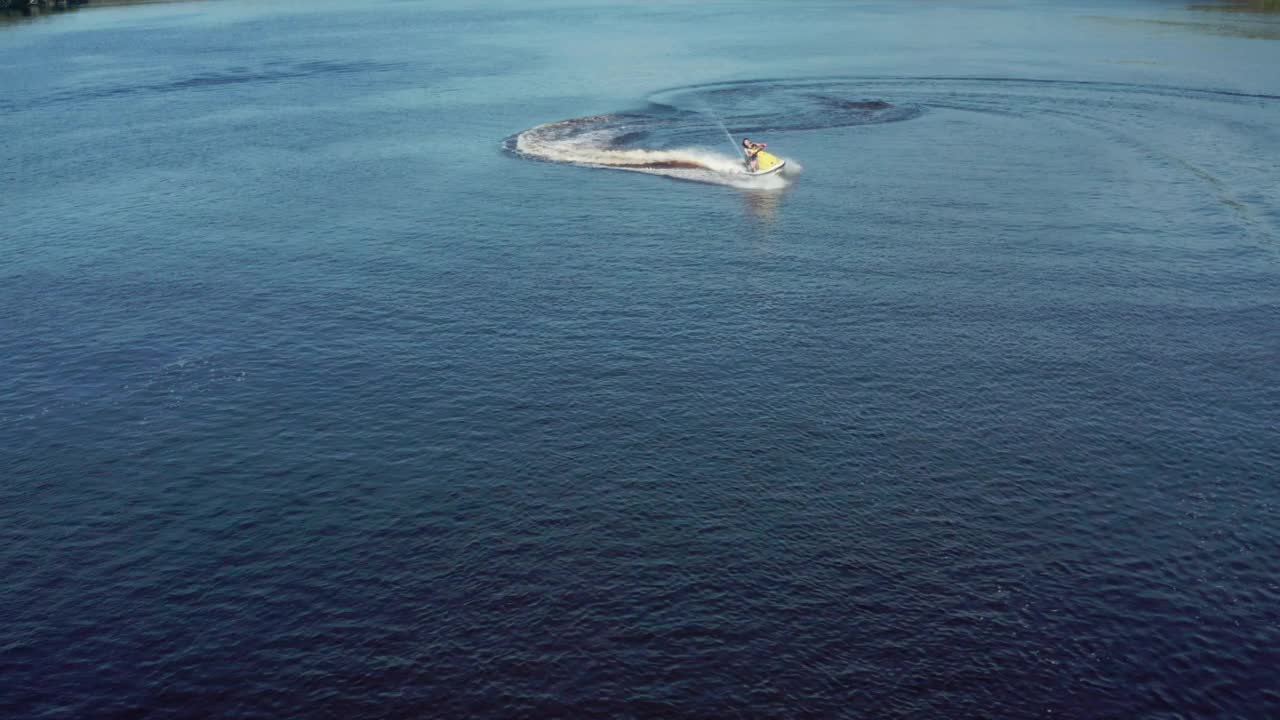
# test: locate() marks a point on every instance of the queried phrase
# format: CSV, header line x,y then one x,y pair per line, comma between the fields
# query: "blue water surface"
x,y
353,366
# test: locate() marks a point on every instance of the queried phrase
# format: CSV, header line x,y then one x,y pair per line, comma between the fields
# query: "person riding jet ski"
x,y
759,161
752,150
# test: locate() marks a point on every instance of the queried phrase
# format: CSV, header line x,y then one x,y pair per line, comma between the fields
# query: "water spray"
x,y
712,113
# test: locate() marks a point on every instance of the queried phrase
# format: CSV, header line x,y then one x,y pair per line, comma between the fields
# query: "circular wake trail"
x,y
670,134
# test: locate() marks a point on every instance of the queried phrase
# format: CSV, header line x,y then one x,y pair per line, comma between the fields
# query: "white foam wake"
x,y
582,141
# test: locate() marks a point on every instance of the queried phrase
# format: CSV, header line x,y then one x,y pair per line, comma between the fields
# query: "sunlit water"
x,y
416,360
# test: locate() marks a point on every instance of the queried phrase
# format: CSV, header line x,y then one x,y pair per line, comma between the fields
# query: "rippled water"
x,y
433,361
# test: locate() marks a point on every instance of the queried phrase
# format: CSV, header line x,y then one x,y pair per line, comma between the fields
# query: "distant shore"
x,y
31,8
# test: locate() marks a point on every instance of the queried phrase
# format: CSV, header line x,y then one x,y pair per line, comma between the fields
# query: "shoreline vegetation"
x,y
1255,6
37,8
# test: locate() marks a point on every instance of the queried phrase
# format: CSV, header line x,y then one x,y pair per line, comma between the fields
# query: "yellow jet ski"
x,y
766,162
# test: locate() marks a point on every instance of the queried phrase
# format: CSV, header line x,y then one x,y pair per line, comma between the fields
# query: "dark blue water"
x,y
420,360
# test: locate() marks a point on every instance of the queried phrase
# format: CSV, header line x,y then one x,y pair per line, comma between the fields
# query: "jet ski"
x,y
766,162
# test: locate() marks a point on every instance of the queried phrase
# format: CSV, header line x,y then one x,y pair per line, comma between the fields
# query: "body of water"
x,y
415,359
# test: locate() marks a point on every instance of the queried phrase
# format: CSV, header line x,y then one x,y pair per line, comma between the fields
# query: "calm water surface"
x,y
414,359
